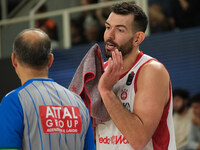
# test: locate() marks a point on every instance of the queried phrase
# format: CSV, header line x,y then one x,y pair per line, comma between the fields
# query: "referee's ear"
x,y
51,58
14,60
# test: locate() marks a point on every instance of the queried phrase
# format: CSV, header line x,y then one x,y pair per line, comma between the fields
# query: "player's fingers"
x,y
118,56
110,65
121,60
118,59
115,62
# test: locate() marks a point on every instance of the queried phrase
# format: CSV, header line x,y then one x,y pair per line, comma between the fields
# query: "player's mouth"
x,y
110,46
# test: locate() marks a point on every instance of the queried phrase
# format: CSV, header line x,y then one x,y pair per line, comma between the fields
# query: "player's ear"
x,y
138,38
51,58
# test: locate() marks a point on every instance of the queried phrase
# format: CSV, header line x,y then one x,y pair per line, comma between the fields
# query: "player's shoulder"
x,y
154,70
154,65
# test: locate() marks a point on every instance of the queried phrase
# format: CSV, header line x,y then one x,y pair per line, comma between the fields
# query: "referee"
x,y
41,114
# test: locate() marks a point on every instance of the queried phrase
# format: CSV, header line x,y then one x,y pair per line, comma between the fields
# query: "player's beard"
x,y
125,49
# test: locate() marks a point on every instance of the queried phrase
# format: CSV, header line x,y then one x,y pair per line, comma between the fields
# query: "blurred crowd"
x,y
186,119
164,15
88,27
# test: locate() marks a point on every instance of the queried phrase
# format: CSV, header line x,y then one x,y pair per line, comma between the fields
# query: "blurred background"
x,y
173,35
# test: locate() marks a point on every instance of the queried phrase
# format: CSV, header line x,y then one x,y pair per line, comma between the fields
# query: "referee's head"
x,y
32,48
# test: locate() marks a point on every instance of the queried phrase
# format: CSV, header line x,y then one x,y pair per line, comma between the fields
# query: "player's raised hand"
x,y
112,73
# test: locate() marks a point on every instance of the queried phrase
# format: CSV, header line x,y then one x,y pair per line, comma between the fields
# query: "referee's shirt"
x,y
42,115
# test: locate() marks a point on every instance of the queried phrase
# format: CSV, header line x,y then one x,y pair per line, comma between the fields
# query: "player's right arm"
x,y
11,126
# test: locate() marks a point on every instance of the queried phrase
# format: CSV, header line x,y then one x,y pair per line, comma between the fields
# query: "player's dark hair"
x,y
32,52
140,18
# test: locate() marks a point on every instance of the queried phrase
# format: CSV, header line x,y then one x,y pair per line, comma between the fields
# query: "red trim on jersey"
x,y
105,64
136,76
162,129
137,59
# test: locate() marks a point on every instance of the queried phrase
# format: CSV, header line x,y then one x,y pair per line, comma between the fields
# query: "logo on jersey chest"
x,y
60,119
124,94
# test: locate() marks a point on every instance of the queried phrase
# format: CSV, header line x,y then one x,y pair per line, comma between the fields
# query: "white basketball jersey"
x,y
108,137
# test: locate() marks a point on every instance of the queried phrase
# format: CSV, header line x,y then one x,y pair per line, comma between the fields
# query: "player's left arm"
x,y
152,96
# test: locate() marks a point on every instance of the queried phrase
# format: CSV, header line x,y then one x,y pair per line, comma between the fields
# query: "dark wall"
x,y
180,53
8,78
